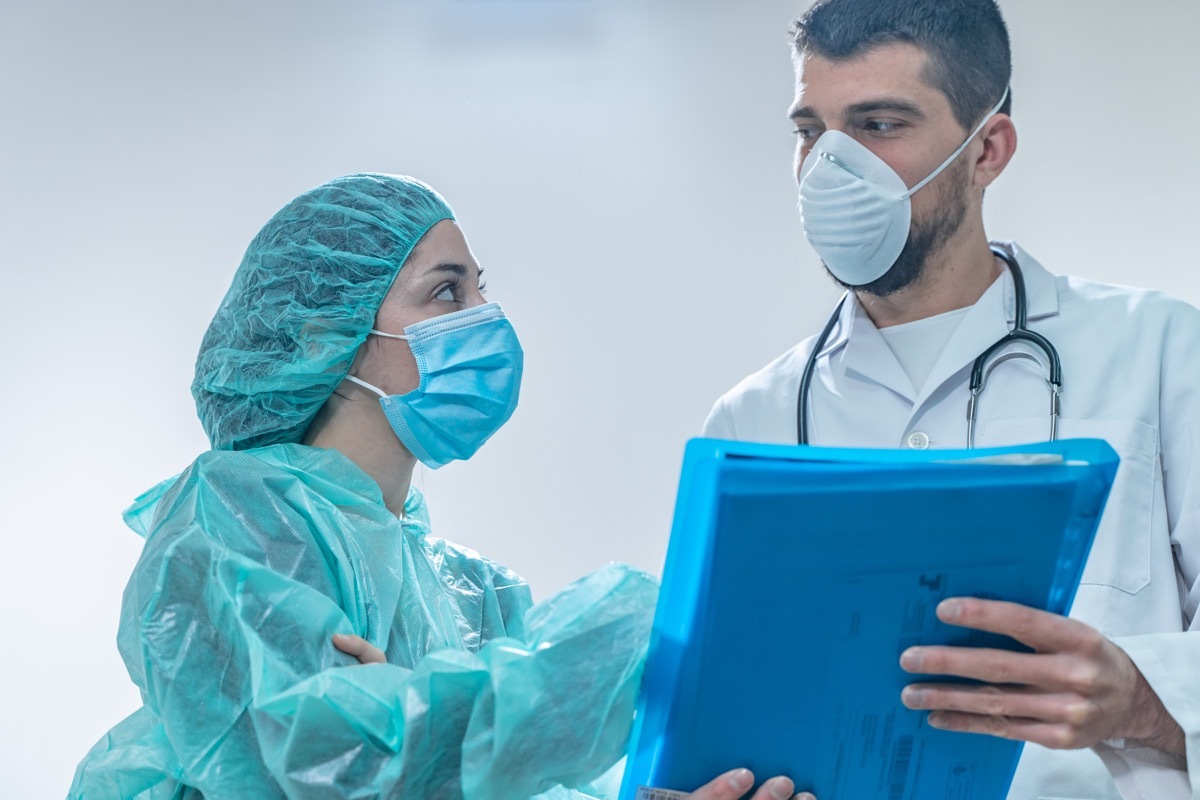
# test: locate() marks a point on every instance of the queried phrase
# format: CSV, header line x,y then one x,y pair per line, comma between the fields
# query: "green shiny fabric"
x,y
253,559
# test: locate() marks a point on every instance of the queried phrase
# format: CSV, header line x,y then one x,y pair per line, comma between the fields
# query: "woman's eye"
x,y
446,293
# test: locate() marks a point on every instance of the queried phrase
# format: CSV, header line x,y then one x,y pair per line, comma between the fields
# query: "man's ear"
x,y
999,140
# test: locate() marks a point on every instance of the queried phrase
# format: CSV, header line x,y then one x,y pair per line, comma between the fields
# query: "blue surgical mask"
x,y
470,364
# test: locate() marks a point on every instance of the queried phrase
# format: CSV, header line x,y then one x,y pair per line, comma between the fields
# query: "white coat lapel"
x,y
868,357
991,318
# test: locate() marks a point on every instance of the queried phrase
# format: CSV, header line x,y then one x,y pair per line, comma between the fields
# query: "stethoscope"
x,y
979,371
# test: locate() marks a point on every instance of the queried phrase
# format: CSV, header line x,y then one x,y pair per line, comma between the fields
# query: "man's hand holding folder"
x,y
1076,689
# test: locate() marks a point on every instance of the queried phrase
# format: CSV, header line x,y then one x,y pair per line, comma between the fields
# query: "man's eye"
x,y
882,126
806,134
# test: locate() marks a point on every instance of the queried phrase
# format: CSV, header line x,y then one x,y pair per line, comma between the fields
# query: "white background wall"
x,y
621,167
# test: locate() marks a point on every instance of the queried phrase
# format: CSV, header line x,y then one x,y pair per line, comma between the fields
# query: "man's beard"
x,y
925,239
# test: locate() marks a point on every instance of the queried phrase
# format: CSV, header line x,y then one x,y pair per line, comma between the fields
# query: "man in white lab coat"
x,y
902,120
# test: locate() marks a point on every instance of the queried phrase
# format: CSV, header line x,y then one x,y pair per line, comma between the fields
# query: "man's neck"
x,y
955,277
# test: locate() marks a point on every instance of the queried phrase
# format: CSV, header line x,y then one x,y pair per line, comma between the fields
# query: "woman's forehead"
x,y
444,241
442,254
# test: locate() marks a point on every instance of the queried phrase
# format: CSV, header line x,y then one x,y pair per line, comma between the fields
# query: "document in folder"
x,y
795,577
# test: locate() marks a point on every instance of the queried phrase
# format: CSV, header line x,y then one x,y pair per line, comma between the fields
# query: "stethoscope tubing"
x,y
1020,332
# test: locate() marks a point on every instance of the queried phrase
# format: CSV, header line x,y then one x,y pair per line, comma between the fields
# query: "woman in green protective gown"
x,y
301,524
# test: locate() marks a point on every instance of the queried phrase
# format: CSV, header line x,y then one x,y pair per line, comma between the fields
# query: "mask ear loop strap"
x,y
961,147
363,383
366,385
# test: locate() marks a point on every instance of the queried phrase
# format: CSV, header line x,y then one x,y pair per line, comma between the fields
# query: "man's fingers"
x,y
997,701
1048,734
1049,672
1041,630
360,648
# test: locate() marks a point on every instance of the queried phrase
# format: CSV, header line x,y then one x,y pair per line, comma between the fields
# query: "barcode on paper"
x,y
650,793
901,759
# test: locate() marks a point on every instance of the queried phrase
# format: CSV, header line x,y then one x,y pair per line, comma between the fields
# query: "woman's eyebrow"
x,y
456,269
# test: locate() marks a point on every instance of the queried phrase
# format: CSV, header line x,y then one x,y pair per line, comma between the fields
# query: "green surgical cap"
x,y
301,303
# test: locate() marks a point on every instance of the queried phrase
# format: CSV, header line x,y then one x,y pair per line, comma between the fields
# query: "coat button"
x,y
917,440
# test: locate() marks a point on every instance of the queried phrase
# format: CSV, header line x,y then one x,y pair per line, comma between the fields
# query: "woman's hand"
x,y
360,648
730,786
735,783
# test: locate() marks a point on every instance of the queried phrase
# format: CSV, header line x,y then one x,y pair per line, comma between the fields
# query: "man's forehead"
x,y
895,72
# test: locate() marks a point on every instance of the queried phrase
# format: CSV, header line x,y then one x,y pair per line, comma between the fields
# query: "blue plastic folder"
x,y
795,577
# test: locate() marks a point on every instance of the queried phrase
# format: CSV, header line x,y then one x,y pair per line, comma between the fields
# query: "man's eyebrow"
x,y
894,105
806,112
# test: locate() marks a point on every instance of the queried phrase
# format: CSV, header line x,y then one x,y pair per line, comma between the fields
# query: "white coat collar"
x,y
1041,287
867,354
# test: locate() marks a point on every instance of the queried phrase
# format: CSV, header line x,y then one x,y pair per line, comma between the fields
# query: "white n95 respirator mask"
x,y
855,209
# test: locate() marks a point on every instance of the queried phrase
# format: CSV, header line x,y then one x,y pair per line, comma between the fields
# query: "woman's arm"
x,y
234,655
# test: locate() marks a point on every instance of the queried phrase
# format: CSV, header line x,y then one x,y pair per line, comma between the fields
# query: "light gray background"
x,y
621,167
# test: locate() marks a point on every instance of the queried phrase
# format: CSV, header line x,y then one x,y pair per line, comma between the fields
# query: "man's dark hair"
x,y
970,60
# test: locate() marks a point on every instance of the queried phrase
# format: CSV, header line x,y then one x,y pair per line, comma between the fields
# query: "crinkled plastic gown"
x,y
253,559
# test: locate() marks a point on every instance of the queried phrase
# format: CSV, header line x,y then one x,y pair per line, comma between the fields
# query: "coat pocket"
x,y
1120,556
